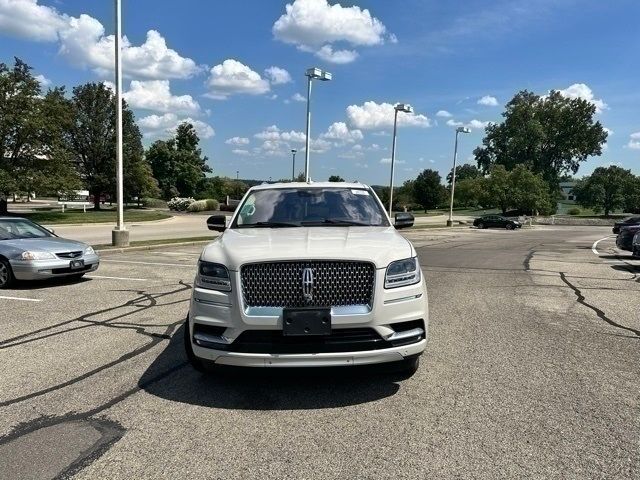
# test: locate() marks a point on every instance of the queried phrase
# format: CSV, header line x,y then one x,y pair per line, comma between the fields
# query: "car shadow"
x,y
48,283
265,389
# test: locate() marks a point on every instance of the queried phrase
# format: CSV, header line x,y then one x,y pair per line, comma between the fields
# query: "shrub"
x,y
212,204
574,211
154,203
180,204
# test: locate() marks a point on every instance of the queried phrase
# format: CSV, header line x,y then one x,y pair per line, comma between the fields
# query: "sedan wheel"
x,y
480,225
509,226
6,275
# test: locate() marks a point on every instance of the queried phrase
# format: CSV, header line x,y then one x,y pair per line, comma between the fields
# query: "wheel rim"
x,y
4,274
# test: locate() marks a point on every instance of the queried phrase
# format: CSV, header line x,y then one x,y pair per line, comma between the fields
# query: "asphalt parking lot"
x,y
532,371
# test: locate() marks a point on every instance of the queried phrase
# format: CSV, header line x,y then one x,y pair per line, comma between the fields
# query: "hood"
x,y
48,244
380,245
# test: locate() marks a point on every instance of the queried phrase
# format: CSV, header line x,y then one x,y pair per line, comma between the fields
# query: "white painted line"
x,y
20,299
595,244
119,278
179,254
148,263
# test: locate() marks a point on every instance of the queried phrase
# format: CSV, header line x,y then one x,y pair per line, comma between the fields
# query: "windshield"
x,y
11,229
310,207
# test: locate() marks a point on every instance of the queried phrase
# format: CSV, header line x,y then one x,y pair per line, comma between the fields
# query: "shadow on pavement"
x,y
47,283
265,389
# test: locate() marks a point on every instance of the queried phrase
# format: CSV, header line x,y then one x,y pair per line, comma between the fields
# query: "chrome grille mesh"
x,y
335,283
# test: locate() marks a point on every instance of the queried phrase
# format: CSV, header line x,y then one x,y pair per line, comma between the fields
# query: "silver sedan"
x,y
29,251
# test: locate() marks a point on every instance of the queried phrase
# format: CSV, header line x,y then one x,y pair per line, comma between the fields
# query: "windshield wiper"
x,y
269,225
338,222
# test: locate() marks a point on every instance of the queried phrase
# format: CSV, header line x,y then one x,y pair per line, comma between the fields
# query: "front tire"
x,y
6,274
509,226
481,226
193,360
409,366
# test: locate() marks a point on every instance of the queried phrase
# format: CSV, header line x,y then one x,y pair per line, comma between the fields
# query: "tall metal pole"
x,y
393,161
453,181
119,238
293,167
307,138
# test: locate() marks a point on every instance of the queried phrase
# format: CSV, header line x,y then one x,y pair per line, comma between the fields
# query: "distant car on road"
x,y
635,245
624,240
629,221
496,221
29,251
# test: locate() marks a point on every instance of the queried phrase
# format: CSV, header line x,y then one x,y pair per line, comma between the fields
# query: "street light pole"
x,y
400,107
453,174
293,167
312,73
119,235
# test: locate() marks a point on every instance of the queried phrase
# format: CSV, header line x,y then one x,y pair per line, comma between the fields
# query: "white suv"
x,y
308,275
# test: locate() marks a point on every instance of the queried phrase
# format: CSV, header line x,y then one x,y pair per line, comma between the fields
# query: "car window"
x,y
21,228
281,207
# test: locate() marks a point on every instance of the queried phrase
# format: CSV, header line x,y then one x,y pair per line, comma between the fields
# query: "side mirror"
x,y
217,223
404,220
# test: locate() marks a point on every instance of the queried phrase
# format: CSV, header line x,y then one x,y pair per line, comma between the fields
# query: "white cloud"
x,y
156,95
273,133
165,125
340,132
609,131
277,75
296,97
362,165
237,141
241,152
432,161
388,161
27,19
488,101
443,114
233,77
42,80
634,141
315,25
580,90
473,124
378,116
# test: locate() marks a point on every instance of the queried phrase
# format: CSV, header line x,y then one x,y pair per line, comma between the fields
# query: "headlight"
x,y
636,239
37,256
213,276
402,272
89,251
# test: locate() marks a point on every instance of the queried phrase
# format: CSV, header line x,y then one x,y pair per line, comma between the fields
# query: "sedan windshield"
x,y
310,207
11,229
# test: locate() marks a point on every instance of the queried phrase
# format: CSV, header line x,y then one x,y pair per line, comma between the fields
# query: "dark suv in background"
x,y
624,241
627,222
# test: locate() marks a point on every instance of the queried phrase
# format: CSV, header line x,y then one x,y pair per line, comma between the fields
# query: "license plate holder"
x,y
76,264
306,322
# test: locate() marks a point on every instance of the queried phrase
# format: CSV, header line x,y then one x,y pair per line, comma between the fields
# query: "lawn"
x,y
102,216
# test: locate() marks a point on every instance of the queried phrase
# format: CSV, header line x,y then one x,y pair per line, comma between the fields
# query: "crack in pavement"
x,y
582,301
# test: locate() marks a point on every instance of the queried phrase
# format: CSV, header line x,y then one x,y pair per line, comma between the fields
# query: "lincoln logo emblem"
x,y
307,284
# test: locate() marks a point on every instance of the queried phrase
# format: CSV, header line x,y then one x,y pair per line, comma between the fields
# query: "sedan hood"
x,y
380,245
11,248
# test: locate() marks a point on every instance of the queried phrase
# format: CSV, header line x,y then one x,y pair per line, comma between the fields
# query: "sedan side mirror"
x,y
404,220
217,223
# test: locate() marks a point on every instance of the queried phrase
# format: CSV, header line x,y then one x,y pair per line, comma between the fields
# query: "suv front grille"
x,y
280,284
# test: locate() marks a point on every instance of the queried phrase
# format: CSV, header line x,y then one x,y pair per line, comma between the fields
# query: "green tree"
x,y
178,164
550,135
604,190
463,172
529,192
498,188
469,192
427,189
336,178
632,195
32,157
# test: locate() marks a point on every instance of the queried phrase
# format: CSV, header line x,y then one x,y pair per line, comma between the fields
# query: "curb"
x,y
110,251
102,224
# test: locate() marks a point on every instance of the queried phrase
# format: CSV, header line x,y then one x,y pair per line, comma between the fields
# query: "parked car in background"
x,y
29,251
308,275
496,221
624,240
635,245
629,221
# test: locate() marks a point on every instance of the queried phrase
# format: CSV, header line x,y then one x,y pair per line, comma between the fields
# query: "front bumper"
x,y
226,313
44,269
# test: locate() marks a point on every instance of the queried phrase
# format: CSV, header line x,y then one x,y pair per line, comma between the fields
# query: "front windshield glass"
x,y
11,229
310,207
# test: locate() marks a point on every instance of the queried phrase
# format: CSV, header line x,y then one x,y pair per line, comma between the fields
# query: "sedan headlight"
x,y
403,272
89,251
37,256
636,239
213,276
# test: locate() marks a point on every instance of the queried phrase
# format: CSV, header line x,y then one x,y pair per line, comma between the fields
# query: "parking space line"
x,y
595,244
20,299
179,253
132,262
118,278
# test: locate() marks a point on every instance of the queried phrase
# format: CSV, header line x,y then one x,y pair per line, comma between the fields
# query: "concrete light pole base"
x,y
449,223
119,238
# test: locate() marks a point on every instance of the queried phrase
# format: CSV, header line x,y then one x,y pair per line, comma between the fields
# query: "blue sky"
x,y
211,62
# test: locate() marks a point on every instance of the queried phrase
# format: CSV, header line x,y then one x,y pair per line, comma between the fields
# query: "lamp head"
x,y
463,130
318,74
403,107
